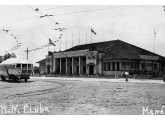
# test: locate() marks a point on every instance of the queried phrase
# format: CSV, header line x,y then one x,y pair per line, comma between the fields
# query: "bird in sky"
x,y
6,30
45,16
48,15
37,10
56,29
62,29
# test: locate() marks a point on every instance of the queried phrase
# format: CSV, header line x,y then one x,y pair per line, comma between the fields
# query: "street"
x,y
80,96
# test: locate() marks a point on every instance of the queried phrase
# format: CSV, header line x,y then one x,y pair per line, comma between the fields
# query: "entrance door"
x,y
91,70
77,69
71,70
48,69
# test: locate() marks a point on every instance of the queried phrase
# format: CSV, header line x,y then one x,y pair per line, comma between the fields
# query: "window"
x,y
24,66
18,66
84,69
84,59
118,67
143,66
155,66
109,66
104,66
113,66
29,66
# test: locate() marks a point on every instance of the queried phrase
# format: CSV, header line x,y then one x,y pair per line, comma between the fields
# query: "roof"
x,y
14,61
116,49
43,60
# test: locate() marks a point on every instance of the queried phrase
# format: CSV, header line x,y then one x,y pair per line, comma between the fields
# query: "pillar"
x,y
115,66
66,66
60,65
111,66
79,65
72,65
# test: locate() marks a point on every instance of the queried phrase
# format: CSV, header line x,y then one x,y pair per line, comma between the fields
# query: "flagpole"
x,y
154,39
60,44
79,37
91,34
66,40
72,38
86,35
48,47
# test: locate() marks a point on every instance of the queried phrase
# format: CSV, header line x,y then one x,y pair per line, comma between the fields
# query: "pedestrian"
x,y
126,76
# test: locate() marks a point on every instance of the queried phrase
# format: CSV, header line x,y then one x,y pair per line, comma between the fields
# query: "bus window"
x,y
24,66
18,66
29,66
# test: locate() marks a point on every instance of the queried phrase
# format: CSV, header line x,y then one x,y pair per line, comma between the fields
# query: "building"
x,y
42,66
105,58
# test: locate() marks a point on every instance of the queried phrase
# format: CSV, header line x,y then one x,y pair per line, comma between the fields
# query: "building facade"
x,y
42,66
105,58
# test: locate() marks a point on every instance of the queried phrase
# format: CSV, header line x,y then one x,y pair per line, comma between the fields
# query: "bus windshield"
x,y
29,66
24,66
18,66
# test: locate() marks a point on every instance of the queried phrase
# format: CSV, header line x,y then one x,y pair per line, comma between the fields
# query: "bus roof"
x,y
15,61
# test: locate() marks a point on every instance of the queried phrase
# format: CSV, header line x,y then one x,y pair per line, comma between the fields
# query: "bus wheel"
x,y
25,80
15,78
3,78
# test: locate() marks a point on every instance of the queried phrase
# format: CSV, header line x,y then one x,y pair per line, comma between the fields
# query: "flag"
x,y
92,31
51,42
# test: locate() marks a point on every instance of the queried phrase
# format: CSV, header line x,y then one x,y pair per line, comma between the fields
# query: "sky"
x,y
134,24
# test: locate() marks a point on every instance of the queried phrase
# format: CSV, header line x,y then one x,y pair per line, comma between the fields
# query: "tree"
x,y
8,55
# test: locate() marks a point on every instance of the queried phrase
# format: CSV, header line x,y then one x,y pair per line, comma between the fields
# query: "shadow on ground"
x,y
19,81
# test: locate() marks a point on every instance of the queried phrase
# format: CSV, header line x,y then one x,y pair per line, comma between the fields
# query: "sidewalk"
x,y
102,79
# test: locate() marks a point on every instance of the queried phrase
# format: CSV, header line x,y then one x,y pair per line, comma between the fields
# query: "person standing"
x,y
126,76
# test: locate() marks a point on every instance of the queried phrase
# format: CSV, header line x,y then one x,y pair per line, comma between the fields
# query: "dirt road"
x,y
56,96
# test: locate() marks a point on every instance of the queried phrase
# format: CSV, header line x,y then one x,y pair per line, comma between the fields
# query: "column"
x,y
152,66
79,65
60,65
66,66
115,66
111,66
72,65
87,67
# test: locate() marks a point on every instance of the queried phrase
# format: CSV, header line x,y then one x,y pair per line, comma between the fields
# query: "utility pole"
x,y
27,51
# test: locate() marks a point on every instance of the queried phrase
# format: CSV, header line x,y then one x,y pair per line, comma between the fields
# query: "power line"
x,y
58,7
86,11
94,19
41,13
34,9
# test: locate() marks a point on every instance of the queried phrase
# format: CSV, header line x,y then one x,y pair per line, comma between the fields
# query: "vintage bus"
x,y
15,69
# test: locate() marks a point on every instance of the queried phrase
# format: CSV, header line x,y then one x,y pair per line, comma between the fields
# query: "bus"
x,y
15,69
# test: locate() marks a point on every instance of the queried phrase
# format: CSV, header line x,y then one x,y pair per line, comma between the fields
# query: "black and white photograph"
x,y
82,59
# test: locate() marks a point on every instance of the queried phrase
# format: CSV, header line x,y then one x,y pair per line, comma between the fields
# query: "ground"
x,y
81,96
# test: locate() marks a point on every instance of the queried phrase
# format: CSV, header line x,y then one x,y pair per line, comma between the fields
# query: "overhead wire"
x,y
86,11
75,13
41,14
95,19
44,15
58,7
